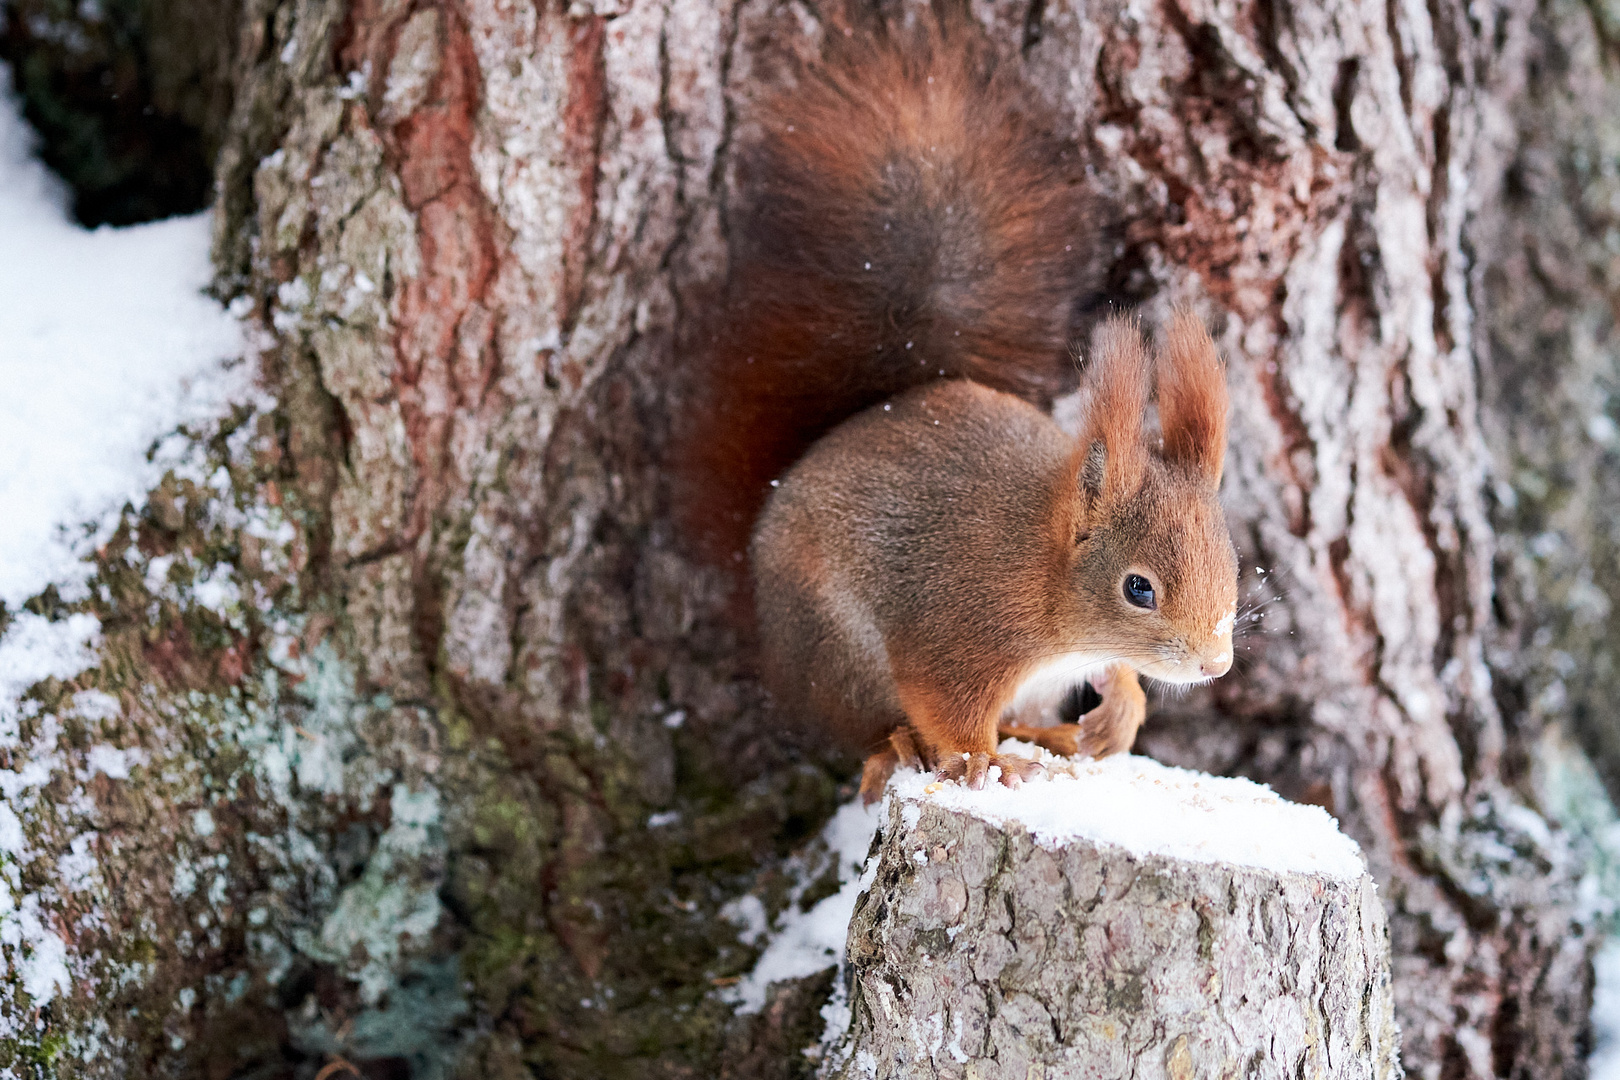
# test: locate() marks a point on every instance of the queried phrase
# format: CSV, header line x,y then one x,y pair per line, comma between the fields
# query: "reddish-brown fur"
x,y
1192,398
908,268
930,554
1118,384
907,214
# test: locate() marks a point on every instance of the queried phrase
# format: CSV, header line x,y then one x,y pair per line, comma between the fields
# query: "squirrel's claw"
x,y
909,750
1100,732
1105,740
974,769
875,775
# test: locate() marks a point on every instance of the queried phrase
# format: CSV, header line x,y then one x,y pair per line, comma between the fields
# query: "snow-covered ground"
x,y
106,343
805,942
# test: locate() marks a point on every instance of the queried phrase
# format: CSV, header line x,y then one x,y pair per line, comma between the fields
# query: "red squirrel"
x,y
911,248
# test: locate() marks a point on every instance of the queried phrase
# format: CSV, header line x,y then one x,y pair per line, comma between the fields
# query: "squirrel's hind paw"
x,y
875,775
904,750
974,769
1062,739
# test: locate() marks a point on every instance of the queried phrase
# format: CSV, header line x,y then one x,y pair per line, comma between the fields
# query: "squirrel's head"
x,y
1153,568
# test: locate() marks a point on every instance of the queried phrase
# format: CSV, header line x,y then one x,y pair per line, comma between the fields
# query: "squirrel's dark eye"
x,y
1139,591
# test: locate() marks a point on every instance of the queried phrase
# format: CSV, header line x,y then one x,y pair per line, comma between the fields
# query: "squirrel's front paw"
x,y
1105,730
1062,739
1111,727
974,769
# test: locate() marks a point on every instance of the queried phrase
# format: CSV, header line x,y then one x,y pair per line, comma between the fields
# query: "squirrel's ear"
x,y
1111,436
1192,398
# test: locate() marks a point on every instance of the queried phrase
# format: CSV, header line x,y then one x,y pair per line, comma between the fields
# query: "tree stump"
x,y
1010,934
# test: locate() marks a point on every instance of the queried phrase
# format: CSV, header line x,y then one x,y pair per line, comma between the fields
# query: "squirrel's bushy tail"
x,y
908,212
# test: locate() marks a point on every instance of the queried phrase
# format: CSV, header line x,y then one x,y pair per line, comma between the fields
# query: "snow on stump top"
x,y
1120,919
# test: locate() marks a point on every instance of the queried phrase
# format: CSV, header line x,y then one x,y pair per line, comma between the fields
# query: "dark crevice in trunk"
x,y
129,97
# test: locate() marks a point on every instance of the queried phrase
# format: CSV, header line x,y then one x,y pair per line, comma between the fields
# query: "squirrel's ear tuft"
x,y
1094,468
1112,432
1192,398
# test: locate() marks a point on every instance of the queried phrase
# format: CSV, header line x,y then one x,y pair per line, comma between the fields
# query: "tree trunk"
x,y
462,784
976,944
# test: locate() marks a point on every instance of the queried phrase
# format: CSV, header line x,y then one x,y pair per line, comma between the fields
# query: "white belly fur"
x,y
1055,678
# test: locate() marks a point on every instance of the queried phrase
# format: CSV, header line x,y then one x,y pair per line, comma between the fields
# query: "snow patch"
x,y
44,969
115,762
805,942
106,341
36,648
747,913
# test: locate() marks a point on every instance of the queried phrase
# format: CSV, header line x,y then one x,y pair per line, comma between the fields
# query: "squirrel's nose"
x,y
1214,667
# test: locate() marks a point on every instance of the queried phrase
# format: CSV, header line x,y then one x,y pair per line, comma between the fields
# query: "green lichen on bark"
x,y
225,832
298,865
587,941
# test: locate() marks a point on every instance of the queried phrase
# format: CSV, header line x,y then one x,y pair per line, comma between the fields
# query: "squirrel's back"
x,y
897,539
909,212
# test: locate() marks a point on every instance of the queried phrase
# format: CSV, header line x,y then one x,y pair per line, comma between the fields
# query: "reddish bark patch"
x,y
583,119
448,316
232,663
173,658
440,312
456,233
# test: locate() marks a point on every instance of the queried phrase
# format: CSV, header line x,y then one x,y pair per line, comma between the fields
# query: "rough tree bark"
x,y
398,804
976,944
